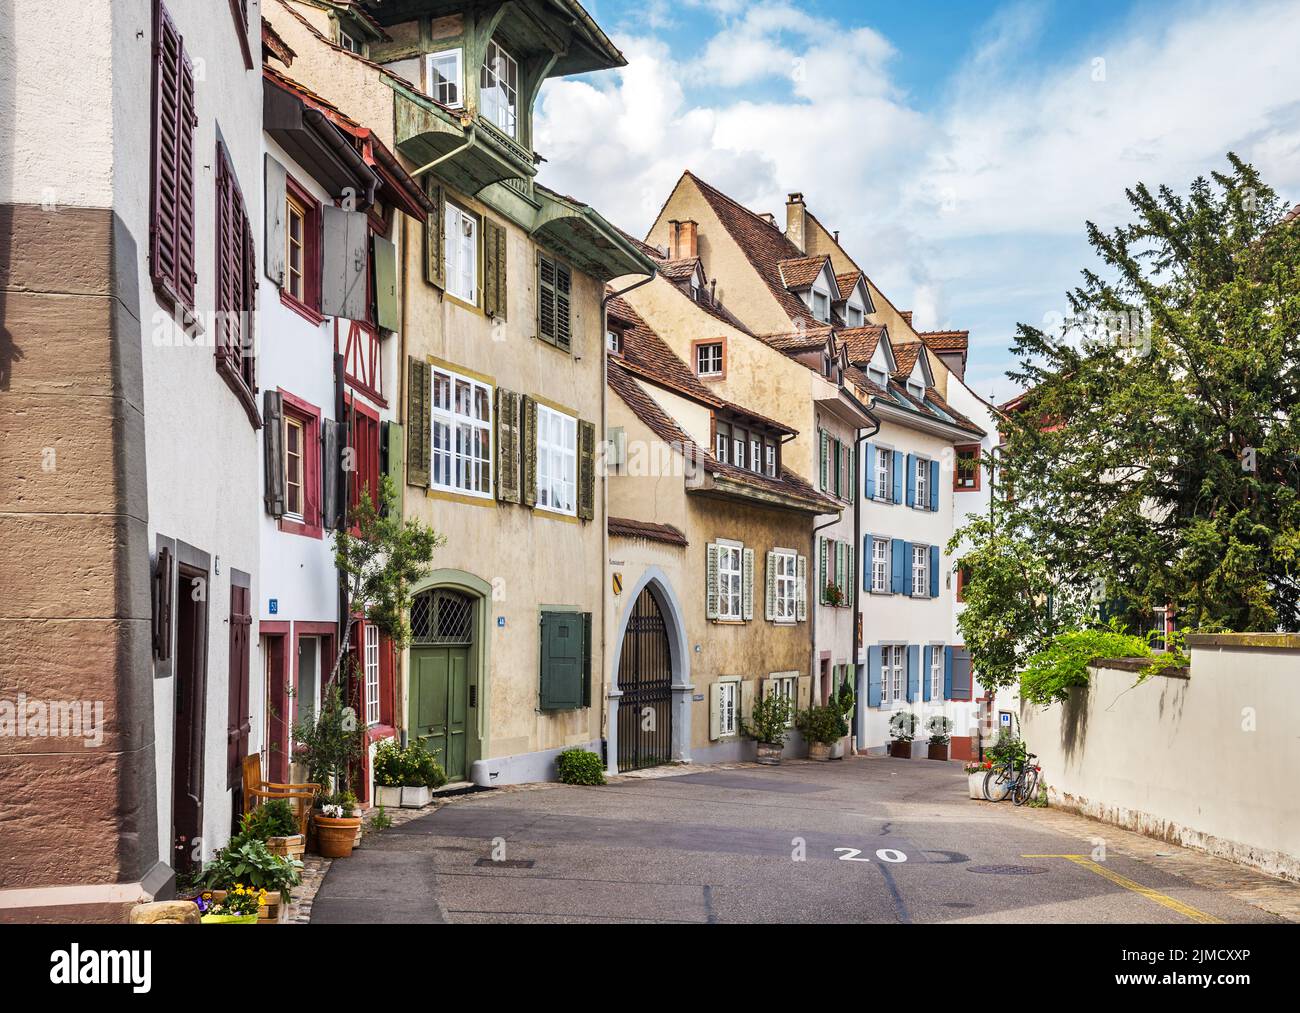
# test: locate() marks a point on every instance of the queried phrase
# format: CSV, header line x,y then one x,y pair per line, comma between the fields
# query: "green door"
x,y
440,704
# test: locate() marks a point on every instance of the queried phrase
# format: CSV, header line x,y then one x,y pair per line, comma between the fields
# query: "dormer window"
x,y
877,376
853,315
614,341
915,389
351,43
821,306
443,74
499,89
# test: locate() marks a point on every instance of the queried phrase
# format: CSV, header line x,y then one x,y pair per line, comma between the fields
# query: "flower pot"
x,y
415,798
229,920
271,913
838,749
975,784
820,751
388,797
901,749
769,753
336,836
287,847
939,750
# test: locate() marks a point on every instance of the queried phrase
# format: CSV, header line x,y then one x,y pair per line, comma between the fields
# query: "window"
x,y
878,377
302,247
785,584
880,566
295,440
351,43
236,287
372,674
936,672
722,443
460,242
557,461
442,77
460,424
171,232
296,256
498,86
614,340
884,473
920,571
363,439
893,673
966,476
922,483
730,580
853,315
916,390
554,282
770,459
1159,629
821,305
785,685
708,359
726,703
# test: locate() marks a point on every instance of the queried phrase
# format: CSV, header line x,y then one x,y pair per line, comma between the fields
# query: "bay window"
x,y
499,89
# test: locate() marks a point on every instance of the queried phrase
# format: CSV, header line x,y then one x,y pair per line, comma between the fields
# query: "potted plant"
x,y
390,770
337,825
246,863
421,776
768,726
833,595
238,906
275,823
902,730
822,727
975,773
939,728
845,701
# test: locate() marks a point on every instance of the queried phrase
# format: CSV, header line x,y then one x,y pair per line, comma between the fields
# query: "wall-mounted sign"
x,y
618,583
1004,719
501,622
698,698
273,606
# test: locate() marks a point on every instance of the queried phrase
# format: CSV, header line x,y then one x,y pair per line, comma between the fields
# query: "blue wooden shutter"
x,y
871,471
934,486
873,676
947,673
899,577
934,571
868,562
926,658
898,476
911,480
913,676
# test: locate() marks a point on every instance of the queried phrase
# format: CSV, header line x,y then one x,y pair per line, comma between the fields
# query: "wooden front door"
x,y
189,714
440,704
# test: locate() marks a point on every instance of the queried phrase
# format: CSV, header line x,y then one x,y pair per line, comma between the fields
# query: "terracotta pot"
x,y
819,751
769,753
939,750
287,847
900,749
336,837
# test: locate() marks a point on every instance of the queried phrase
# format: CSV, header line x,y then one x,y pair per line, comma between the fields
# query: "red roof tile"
x,y
862,342
801,272
627,528
946,341
905,355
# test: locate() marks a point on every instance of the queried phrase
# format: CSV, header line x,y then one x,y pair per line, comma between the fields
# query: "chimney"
x,y
768,217
684,243
796,218
674,226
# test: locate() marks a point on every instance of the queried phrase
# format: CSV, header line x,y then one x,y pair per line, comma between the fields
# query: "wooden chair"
x,y
300,796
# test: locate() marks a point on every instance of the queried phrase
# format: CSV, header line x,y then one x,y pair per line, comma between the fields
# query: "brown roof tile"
x,y
801,272
905,354
846,282
906,315
679,270
945,341
626,527
862,342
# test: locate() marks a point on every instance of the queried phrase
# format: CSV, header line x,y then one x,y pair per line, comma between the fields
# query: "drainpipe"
x,y
859,555
469,139
611,760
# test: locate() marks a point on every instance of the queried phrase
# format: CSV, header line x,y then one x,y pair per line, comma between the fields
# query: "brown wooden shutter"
x,y
529,452
435,267
419,393
494,269
586,470
171,230
237,720
163,581
509,442
273,490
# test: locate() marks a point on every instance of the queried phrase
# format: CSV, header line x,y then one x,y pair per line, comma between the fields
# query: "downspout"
x,y
469,139
611,762
859,555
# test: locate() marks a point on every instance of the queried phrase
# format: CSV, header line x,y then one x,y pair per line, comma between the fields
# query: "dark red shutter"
x,y
237,721
236,277
171,230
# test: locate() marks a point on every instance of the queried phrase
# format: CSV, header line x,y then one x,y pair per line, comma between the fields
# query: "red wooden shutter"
x,y
171,230
236,277
237,720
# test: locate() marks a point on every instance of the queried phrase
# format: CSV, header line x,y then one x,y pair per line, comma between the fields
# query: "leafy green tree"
x,y
1155,455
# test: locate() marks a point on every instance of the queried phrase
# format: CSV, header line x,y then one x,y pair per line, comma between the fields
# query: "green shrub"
x,y
246,860
390,762
579,766
380,820
824,725
902,726
940,728
420,769
273,818
1008,747
1051,673
769,720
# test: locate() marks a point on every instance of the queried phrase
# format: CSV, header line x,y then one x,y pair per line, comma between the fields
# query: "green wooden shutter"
x,y
395,456
435,257
711,582
770,587
563,323
494,269
384,259
747,584
528,455
508,446
561,661
825,450
801,590
419,391
545,298
586,470
586,659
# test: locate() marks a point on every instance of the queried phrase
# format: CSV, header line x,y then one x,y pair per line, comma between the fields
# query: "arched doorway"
x,y
443,687
645,680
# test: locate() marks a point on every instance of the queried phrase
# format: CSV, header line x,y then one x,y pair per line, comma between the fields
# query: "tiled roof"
x,y
763,245
946,341
861,342
276,46
797,342
906,315
678,270
846,282
628,528
905,354
936,399
1293,214
645,408
801,272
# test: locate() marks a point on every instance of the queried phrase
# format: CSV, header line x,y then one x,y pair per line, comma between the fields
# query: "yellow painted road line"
x,y
1162,899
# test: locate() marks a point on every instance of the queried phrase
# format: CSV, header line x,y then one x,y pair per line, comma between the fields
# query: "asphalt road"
x,y
859,840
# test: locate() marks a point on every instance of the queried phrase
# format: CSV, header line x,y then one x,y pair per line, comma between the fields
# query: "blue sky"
x,y
959,147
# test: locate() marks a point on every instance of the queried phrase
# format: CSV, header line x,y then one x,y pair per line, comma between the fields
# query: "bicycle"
x,y
1019,780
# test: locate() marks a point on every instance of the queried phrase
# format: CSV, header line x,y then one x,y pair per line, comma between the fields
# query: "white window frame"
x,y
936,671
893,674
454,466
854,315
462,278
557,462
921,499
770,459
457,82
878,376
820,303
614,341
916,390
1160,622
301,426
706,350
350,42
731,568
880,568
498,99
920,564
785,585
729,708
884,466
372,674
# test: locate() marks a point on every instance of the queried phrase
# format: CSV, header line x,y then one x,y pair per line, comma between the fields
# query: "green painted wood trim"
x,y
1257,641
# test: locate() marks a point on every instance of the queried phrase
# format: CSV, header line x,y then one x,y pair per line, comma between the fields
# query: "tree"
x,y
1156,458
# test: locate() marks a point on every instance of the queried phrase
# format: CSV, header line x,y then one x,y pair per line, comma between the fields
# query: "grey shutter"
x,y
586,470
747,584
419,390
275,238
801,590
563,324
387,314
545,298
508,446
273,452
528,456
435,255
494,269
330,465
345,242
711,582
770,589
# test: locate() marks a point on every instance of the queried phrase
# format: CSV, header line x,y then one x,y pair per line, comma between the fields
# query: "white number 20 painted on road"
x,y
884,854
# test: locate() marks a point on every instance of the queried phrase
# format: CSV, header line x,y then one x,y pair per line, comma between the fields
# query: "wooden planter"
x,y
273,912
819,751
900,749
389,798
336,837
287,847
939,750
769,753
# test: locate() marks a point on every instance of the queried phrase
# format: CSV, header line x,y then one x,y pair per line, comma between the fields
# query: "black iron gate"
x,y
645,678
